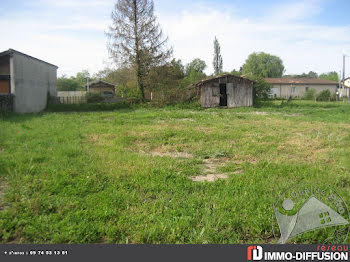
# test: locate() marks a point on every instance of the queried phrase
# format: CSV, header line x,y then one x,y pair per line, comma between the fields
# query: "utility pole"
x,y
344,66
344,56
343,81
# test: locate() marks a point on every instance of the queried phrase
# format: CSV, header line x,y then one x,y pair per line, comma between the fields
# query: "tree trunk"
x,y
138,59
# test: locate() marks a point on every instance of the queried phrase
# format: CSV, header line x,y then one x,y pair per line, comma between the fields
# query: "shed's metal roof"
x,y
100,81
12,51
219,77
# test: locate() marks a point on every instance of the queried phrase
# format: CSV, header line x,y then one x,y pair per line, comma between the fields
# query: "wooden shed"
x,y
101,87
226,91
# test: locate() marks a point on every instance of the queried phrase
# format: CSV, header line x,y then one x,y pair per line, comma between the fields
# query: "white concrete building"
x,y
344,89
347,82
29,80
296,87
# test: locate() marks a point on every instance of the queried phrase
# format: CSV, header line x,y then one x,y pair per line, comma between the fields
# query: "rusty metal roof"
x,y
300,81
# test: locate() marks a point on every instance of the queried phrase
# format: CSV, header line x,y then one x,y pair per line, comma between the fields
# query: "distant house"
x,y
226,91
347,82
296,87
27,81
344,89
101,87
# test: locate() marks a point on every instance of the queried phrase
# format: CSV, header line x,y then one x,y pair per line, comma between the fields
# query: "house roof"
x,y
221,76
300,81
100,81
12,51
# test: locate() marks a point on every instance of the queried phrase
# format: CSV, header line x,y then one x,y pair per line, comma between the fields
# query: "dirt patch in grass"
x,y
210,167
291,115
172,154
261,113
101,139
209,177
186,119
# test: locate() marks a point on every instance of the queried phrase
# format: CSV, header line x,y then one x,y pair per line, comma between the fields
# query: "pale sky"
x,y
308,35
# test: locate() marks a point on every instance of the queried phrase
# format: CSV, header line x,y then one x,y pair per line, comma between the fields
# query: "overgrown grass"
x,y
90,177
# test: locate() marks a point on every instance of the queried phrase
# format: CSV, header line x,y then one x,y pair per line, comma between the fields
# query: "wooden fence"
x,y
71,97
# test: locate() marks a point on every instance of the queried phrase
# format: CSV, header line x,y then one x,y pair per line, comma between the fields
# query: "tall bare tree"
x,y
136,39
217,62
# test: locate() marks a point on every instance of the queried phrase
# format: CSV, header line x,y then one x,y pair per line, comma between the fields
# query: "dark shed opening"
x,y
223,95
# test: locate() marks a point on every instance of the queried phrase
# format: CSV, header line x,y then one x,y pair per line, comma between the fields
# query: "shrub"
x,y
325,95
310,94
261,90
334,97
93,98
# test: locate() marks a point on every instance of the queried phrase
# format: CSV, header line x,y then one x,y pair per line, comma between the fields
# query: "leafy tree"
x,y
217,62
194,72
124,78
263,65
332,76
67,84
311,74
81,78
136,40
177,69
196,65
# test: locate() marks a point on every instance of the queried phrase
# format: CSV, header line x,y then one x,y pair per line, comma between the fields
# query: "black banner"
x,y
181,253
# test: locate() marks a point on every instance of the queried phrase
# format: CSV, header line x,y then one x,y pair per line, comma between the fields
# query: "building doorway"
x,y
223,95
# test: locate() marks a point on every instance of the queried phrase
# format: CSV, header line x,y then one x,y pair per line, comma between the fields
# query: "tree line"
x,y
145,64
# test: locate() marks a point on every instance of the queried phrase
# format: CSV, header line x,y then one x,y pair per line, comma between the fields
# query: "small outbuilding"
x,y
25,82
226,91
101,87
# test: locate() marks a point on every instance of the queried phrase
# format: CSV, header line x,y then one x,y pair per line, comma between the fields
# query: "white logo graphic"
x,y
255,253
299,211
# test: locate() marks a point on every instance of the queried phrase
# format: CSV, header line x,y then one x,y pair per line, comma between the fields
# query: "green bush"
x,y
261,90
93,98
325,95
334,97
310,94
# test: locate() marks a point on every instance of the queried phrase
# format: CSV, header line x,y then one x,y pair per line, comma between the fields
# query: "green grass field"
x,y
125,176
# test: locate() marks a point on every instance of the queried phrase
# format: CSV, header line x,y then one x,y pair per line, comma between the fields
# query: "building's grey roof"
x,y
221,76
300,81
100,81
12,51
